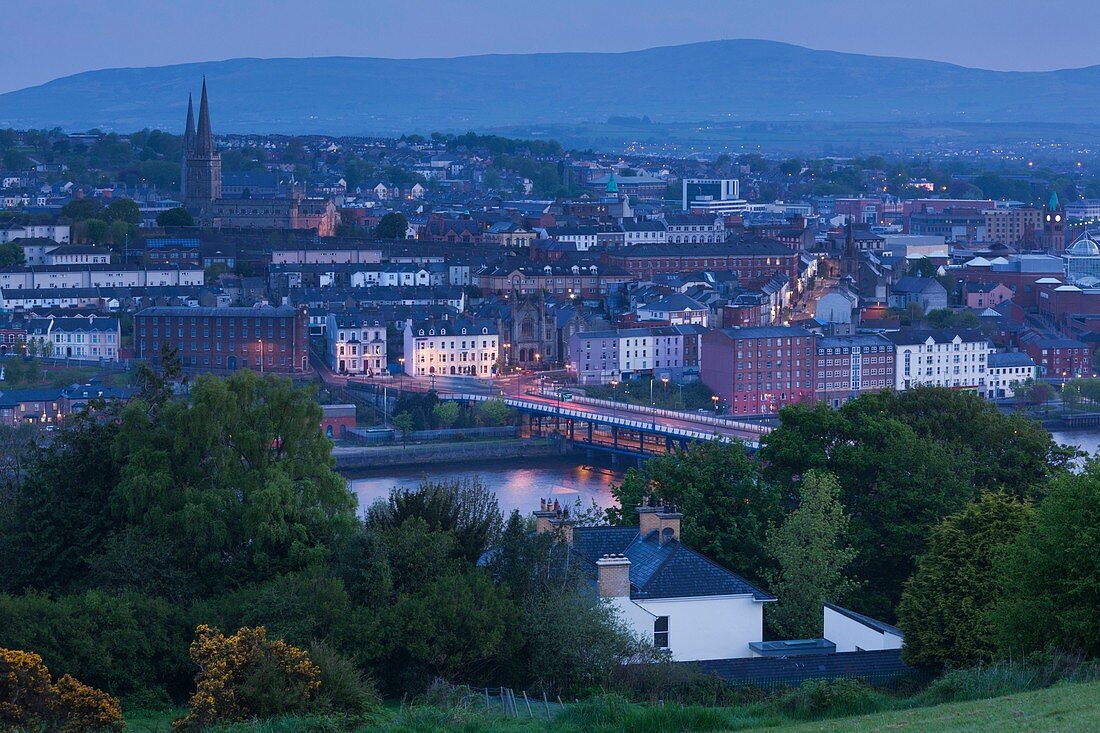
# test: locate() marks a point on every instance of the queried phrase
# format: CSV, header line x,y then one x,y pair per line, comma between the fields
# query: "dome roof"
x,y
1085,246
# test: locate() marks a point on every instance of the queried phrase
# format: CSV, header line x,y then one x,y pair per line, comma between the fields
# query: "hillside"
x,y
715,81
1067,708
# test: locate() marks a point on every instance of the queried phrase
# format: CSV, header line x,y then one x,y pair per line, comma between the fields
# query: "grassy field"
x,y
1055,709
1065,707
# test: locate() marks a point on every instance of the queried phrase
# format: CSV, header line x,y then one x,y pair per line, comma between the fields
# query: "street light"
x,y
614,385
401,383
664,381
652,404
714,399
261,356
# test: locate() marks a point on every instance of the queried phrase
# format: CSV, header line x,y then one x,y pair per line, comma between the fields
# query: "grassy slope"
x,y
1059,708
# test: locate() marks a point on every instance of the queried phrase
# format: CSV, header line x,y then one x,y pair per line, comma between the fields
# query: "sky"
x,y
46,40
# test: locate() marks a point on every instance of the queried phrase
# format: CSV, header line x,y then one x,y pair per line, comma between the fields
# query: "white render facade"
x,y
958,361
463,347
356,343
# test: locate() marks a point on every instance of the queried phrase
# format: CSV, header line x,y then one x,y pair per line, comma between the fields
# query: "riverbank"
x,y
356,457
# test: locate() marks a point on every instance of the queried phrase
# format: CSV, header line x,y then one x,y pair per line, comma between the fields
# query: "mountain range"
x,y
717,81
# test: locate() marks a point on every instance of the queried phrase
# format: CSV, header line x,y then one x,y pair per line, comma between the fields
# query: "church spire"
x,y
189,128
204,139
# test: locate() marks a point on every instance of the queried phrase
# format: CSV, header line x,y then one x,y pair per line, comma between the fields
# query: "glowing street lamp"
x,y
714,399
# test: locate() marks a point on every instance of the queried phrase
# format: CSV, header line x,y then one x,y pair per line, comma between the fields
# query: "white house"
x,y
356,343
1007,371
91,338
677,309
854,632
940,358
462,347
664,590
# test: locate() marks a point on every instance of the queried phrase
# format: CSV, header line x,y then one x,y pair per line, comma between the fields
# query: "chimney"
x,y
647,517
552,517
613,579
668,520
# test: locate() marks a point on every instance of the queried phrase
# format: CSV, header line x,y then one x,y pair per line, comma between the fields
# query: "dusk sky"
x,y
43,41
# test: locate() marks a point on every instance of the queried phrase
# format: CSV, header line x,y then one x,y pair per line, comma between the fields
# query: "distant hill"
x,y
714,81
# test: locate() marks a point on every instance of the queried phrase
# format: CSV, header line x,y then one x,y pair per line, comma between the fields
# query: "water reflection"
x,y
517,487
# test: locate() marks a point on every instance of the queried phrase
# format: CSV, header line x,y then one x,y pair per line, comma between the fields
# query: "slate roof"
x,y
874,666
867,621
669,570
1009,359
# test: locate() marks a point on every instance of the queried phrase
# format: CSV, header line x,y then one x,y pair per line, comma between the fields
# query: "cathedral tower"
x,y
203,166
188,146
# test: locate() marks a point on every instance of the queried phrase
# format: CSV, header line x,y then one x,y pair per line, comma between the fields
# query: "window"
x,y
660,632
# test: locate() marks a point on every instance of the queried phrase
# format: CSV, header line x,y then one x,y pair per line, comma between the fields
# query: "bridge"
x,y
607,429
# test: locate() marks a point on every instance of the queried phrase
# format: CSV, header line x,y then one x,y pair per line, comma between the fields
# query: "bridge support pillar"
x,y
614,436
572,424
668,444
590,424
641,441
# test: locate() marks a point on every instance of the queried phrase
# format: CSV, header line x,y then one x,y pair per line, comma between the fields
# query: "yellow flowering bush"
x,y
29,700
247,675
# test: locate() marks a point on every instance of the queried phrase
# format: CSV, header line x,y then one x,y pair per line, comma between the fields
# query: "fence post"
x,y
531,714
546,703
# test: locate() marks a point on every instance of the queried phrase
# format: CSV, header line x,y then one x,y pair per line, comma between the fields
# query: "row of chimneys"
x,y
613,571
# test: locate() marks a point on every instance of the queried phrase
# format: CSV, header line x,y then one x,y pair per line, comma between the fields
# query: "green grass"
x,y
1072,707
1063,707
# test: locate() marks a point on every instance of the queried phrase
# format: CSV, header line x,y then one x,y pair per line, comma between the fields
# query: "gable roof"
x,y
668,570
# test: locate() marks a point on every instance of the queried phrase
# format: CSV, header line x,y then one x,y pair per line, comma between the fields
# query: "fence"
x,y
493,700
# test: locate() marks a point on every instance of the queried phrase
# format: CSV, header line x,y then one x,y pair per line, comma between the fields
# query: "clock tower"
x,y
1054,225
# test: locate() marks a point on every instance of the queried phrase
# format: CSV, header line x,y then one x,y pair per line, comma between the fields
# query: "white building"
x,y
644,231
91,338
941,358
57,232
712,195
98,276
663,590
854,632
1006,371
461,347
356,343
677,309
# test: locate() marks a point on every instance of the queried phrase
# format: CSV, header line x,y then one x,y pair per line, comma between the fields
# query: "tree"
x,y
944,609
124,210
61,514
403,421
904,462
238,478
80,209
11,253
97,231
811,559
727,506
177,217
459,627
1049,577
444,414
392,226
493,411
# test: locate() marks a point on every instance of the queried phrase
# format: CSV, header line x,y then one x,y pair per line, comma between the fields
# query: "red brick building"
x,y
847,366
753,261
227,339
757,371
1060,358
337,420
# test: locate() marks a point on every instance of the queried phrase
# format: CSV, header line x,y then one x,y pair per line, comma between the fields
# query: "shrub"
x,y
246,676
829,698
84,708
343,688
29,701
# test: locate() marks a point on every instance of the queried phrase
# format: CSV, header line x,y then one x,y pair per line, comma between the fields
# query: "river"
x,y
517,487
521,487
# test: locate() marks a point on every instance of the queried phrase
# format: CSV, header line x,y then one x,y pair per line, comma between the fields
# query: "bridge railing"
x,y
641,425
662,412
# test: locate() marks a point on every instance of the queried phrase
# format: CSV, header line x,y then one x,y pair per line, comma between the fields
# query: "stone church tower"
x,y
201,173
